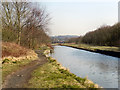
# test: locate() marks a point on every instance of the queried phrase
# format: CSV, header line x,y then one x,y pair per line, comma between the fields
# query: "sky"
x,y
80,16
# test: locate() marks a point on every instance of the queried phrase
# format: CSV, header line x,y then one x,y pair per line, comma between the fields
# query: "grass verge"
x,y
53,75
13,66
90,47
14,57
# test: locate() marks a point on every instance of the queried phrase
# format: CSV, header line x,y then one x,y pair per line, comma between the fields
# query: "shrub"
x,y
12,49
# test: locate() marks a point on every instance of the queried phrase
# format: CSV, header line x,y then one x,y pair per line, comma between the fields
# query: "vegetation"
x,y
91,47
57,77
10,66
50,75
13,59
24,23
62,38
103,36
8,50
25,26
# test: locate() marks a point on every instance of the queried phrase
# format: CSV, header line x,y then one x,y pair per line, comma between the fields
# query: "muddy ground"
x,y
21,77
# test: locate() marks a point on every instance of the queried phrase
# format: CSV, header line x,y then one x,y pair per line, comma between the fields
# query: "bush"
x,y
9,36
12,49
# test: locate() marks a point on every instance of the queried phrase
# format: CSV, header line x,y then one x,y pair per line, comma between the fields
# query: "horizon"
x,y
78,18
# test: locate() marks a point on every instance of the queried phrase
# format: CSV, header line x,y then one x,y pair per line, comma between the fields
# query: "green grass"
x,y
14,57
51,75
90,47
10,66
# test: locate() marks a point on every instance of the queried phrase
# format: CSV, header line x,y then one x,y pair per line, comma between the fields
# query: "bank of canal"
x,y
99,68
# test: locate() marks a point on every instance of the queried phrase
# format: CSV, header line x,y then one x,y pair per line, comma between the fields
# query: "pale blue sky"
x,y
78,17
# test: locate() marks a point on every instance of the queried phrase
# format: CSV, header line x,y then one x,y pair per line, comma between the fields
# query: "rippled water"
x,y
99,68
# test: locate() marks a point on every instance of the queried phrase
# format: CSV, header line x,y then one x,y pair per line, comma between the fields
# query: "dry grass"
x,y
12,49
14,57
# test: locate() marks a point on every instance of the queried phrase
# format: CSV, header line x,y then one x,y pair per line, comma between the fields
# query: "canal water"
x,y
101,69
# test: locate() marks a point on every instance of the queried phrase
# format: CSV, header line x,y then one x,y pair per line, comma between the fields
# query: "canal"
x,y
101,69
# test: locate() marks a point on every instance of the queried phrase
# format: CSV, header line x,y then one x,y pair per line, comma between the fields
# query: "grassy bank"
x,y
15,57
49,75
53,75
13,66
90,47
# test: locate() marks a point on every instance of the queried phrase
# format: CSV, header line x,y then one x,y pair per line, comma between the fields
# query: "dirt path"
x,y
21,77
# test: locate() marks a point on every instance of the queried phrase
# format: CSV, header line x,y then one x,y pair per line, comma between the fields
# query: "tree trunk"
x,y
19,38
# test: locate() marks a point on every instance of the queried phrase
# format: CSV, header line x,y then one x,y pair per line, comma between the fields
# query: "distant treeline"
x,y
103,36
24,23
62,38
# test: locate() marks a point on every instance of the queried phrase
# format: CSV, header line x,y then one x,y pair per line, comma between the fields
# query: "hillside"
x,y
106,35
103,36
62,38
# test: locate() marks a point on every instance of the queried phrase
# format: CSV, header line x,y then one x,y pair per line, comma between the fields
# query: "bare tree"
x,y
36,26
14,16
21,12
28,23
7,15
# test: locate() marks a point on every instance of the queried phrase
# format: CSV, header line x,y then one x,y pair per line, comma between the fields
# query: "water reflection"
x,y
99,68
